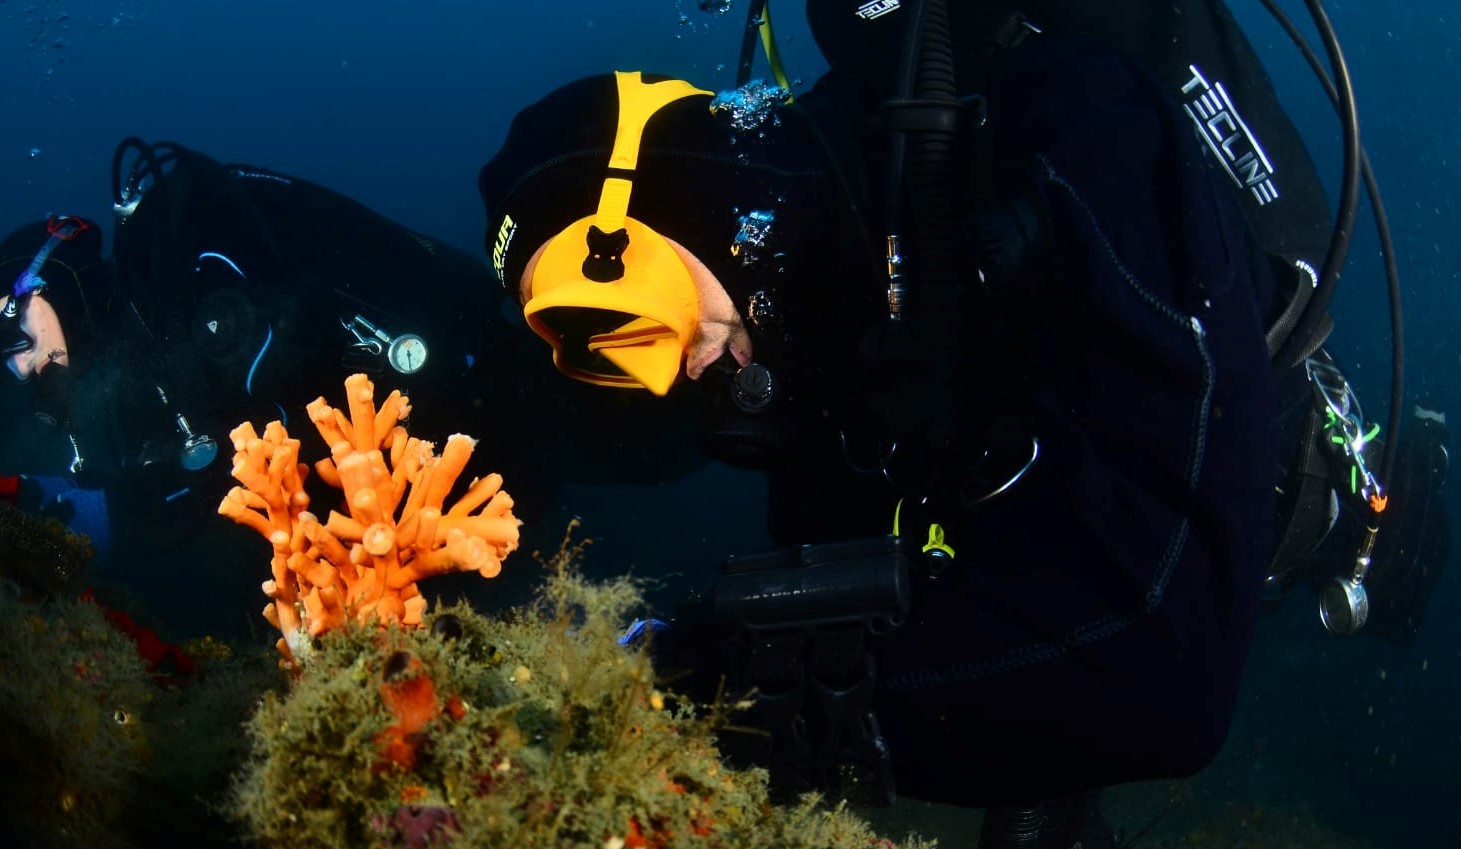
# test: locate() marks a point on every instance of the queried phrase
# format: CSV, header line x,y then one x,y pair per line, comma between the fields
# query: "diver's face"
x,y
39,321
720,330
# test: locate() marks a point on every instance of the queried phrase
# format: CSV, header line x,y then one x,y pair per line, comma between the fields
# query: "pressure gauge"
x,y
407,353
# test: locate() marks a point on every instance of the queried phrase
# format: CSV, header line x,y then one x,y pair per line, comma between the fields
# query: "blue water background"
x,y
399,103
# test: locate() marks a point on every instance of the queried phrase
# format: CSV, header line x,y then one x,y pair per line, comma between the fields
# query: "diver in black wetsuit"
x,y
239,293
1078,433
1004,301
233,293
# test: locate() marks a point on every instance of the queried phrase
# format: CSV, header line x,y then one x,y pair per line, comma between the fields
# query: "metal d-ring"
x,y
1034,455
880,469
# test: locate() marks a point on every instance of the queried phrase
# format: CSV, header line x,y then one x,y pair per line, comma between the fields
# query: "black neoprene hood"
x,y
696,174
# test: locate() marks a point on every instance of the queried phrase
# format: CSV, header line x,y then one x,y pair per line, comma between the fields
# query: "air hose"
x,y
1348,194
930,195
1387,251
921,337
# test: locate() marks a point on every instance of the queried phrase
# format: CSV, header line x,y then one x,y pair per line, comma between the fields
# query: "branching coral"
x,y
363,565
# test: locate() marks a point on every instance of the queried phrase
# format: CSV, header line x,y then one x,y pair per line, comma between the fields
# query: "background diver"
x,y
234,293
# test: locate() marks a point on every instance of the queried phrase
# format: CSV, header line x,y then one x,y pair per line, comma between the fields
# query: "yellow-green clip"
x,y
935,533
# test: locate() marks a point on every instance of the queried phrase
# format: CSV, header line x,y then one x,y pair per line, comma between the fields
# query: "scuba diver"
x,y
236,293
1019,284
232,292
58,292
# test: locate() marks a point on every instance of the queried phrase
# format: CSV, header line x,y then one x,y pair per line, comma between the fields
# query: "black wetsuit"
x,y
1094,623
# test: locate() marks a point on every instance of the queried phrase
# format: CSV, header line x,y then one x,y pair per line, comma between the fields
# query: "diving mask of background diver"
x,y
612,296
34,337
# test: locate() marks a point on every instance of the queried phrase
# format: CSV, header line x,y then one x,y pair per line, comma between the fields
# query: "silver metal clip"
x,y
368,337
77,461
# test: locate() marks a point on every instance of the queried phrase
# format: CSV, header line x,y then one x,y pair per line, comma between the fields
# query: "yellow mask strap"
x,y
638,102
773,55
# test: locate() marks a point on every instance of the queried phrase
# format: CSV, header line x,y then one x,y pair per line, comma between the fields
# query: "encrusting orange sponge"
x,y
365,564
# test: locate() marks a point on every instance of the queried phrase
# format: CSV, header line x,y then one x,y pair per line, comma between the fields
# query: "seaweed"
x,y
73,697
41,555
533,729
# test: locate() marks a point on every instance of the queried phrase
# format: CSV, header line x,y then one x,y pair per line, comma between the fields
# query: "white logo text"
x,y
1218,122
877,8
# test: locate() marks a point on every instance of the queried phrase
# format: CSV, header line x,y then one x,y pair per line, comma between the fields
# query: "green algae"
x,y
42,556
549,733
74,697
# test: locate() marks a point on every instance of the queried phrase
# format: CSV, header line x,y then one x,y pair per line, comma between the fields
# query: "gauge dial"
x,y
407,353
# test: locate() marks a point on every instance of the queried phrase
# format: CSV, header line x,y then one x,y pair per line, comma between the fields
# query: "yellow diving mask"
x,y
612,296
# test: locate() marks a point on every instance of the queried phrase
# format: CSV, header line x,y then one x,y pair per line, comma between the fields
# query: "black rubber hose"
x,y
907,79
1348,194
154,158
938,295
748,41
932,157
144,152
1387,252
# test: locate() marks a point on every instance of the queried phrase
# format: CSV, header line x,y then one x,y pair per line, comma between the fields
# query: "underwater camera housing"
x,y
793,626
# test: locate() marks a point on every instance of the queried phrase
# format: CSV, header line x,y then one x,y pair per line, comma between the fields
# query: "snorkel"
x,y
30,280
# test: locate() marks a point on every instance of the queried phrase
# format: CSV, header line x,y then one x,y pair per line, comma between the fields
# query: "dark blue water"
x,y
398,104
1369,728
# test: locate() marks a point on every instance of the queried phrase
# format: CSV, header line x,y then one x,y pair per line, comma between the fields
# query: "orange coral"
x,y
365,564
